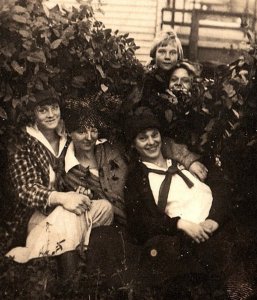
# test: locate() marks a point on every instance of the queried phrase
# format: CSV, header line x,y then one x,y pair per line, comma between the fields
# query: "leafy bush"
x,y
69,53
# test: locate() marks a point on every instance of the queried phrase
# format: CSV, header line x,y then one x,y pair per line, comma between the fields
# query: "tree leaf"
x,y
24,33
100,70
55,44
204,139
19,19
236,113
90,52
37,56
115,65
104,88
3,113
78,81
19,9
15,102
46,10
18,68
209,126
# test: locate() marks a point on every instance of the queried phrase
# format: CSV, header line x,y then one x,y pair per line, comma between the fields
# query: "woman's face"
x,y
148,144
84,139
166,56
47,117
180,79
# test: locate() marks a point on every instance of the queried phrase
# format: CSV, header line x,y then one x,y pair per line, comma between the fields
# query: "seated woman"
x,y
56,222
163,199
92,164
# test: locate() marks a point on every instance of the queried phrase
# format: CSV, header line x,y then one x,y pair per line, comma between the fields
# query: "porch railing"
x,y
196,19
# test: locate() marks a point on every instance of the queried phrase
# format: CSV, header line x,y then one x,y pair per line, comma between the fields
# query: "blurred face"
x,y
148,144
180,79
84,139
47,117
166,56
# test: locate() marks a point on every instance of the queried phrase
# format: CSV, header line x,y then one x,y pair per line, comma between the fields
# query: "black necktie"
x,y
165,186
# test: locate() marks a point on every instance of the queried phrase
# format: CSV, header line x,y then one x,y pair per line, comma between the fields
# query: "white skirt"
x,y
55,234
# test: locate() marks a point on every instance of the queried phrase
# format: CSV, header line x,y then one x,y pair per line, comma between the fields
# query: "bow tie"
x,y
165,186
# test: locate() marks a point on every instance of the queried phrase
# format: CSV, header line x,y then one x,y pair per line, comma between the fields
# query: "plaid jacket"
x,y
29,179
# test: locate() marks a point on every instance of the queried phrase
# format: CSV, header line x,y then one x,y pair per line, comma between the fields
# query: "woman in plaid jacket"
x,y
35,169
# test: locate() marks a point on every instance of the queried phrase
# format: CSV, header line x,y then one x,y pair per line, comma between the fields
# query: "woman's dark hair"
x,y
193,69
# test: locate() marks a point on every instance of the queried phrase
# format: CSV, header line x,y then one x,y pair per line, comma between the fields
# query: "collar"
x,y
70,158
37,134
155,167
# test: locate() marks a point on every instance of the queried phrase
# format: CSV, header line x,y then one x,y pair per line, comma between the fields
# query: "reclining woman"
x,y
164,202
54,221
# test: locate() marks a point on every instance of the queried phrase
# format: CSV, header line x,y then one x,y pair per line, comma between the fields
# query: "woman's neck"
x,y
53,139
86,158
160,161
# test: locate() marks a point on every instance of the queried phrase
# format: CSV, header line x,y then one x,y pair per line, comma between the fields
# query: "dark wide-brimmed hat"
x,y
45,97
138,123
81,113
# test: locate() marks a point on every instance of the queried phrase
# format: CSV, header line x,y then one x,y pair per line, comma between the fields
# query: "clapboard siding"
x,y
139,18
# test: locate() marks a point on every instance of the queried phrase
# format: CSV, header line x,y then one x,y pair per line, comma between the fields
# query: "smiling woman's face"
x,y
148,144
47,117
84,139
166,56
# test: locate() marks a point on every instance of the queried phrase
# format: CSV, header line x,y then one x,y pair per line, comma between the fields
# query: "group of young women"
x,y
68,179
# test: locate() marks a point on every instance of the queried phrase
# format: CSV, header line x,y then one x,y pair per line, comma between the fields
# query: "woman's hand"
x,y
84,191
199,170
209,226
76,203
72,201
193,230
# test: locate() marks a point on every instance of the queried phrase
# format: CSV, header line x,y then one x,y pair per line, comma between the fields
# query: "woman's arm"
x,y
31,189
180,153
27,181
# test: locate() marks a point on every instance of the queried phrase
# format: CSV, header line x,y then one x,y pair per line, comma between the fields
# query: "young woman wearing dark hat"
x,y
162,199
92,164
55,221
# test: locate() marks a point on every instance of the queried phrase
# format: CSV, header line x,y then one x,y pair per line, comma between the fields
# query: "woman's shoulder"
x,y
136,170
20,141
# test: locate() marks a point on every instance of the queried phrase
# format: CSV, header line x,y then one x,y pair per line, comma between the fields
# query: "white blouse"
x,y
36,133
192,204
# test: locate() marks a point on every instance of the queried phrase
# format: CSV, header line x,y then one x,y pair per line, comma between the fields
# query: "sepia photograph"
x,y
128,149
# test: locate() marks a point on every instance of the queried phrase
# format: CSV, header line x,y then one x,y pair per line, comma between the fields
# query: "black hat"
x,y
43,98
138,123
